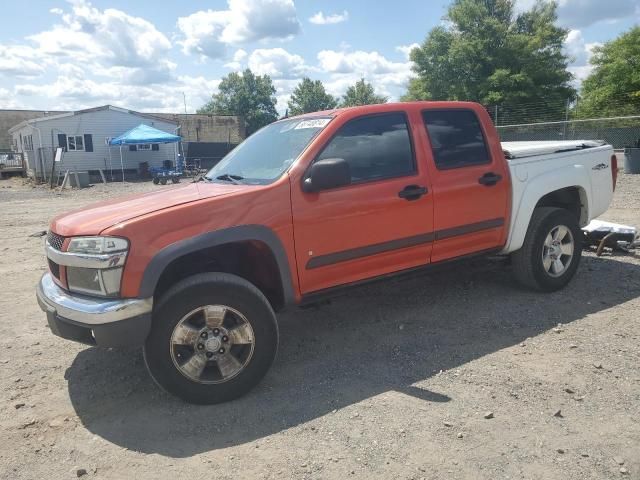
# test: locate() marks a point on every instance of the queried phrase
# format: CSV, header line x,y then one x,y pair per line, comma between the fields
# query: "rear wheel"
x,y
156,180
214,337
551,252
163,181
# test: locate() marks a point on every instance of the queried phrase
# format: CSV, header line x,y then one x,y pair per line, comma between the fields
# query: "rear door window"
x,y
456,138
376,147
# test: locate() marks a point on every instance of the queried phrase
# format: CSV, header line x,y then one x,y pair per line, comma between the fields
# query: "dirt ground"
x,y
392,381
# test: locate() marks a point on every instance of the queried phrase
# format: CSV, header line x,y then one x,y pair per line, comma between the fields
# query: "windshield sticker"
x,y
316,123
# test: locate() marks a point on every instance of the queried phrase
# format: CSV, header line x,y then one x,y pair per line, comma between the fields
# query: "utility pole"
x,y
184,98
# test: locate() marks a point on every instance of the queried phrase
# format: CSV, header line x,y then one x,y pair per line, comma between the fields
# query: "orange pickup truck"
x,y
302,209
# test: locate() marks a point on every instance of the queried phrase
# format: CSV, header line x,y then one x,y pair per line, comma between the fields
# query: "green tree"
x,y
362,93
488,54
613,88
248,95
310,96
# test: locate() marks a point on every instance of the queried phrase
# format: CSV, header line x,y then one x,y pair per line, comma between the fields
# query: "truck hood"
x,y
93,219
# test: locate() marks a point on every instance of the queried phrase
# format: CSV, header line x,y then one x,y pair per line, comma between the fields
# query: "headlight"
x,y
97,245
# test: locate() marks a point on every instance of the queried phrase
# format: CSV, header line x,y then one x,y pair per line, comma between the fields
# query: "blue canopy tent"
x,y
141,135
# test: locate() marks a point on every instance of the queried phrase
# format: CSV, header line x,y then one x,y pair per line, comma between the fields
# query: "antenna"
x,y
184,98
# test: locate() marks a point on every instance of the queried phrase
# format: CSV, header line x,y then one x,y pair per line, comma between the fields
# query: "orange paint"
x,y
316,224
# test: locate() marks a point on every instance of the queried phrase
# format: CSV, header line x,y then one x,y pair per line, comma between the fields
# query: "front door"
x,y
470,184
381,223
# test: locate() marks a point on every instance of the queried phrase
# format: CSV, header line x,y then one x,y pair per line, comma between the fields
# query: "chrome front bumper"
x,y
108,322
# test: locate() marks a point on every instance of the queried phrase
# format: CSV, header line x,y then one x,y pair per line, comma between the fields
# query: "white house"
x,y
84,135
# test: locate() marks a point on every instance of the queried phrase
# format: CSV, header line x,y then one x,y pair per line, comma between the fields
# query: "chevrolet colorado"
x,y
301,209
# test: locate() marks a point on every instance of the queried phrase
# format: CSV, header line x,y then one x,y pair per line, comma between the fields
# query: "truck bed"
x,y
541,167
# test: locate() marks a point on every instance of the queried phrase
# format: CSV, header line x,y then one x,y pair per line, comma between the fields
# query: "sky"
x,y
158,56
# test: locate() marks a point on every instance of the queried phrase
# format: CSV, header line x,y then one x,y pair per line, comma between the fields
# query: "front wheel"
x,y
214,337
551,252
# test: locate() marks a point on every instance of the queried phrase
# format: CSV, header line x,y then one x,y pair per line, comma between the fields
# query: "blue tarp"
x,y
143,134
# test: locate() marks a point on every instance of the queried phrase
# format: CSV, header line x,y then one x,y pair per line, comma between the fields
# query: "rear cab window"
x,y
456,138
376,147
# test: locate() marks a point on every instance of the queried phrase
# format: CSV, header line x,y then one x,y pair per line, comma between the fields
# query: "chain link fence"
x,y
617,123
620,132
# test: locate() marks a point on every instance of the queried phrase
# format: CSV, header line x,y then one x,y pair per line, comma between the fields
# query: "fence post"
x,y
495,116
566,120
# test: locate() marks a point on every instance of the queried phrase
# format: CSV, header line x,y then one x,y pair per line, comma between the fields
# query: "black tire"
x,y
192,293
163,181
527,262
156,180
175,180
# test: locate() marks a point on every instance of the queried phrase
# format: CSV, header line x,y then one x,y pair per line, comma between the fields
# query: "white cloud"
x,y
238,58
109,36
359,62
580,53
406,49
72,91
20,61
277,63
345,68
321,19
209,32
583,13
284,88
8,100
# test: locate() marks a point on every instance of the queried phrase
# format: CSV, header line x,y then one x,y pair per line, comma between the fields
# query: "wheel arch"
x,y
248,236
552,190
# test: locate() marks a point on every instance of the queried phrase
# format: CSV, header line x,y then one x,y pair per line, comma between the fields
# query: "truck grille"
x,y
55,240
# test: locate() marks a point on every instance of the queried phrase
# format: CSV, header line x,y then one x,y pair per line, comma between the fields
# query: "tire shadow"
x,y
380,338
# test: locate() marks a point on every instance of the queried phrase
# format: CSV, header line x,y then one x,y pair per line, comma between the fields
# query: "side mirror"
x,y
326,174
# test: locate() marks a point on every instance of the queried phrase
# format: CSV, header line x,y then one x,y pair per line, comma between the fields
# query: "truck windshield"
x,y
268,153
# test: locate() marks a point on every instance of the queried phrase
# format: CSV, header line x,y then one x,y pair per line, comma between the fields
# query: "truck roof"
x,y
387,107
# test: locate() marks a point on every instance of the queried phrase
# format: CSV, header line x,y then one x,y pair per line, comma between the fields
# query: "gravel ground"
x,y
394,381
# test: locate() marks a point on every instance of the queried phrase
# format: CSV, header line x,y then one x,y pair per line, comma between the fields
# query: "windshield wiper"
x,y
227,177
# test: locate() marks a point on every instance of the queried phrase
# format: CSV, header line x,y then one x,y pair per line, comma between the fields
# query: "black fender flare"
x,y
242,233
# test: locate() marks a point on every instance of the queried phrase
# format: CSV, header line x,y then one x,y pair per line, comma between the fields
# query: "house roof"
x,y
90,110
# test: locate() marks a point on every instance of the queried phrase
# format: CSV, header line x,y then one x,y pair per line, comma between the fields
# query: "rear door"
x,y
470,185
382,222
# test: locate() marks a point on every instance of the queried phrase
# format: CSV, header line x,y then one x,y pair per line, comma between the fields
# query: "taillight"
x,y
614,170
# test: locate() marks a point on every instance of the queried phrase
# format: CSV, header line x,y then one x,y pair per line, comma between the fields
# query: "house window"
x,y
146,146
75,143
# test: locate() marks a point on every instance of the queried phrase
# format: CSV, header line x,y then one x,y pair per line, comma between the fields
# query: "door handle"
x,y
412,192
489,179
